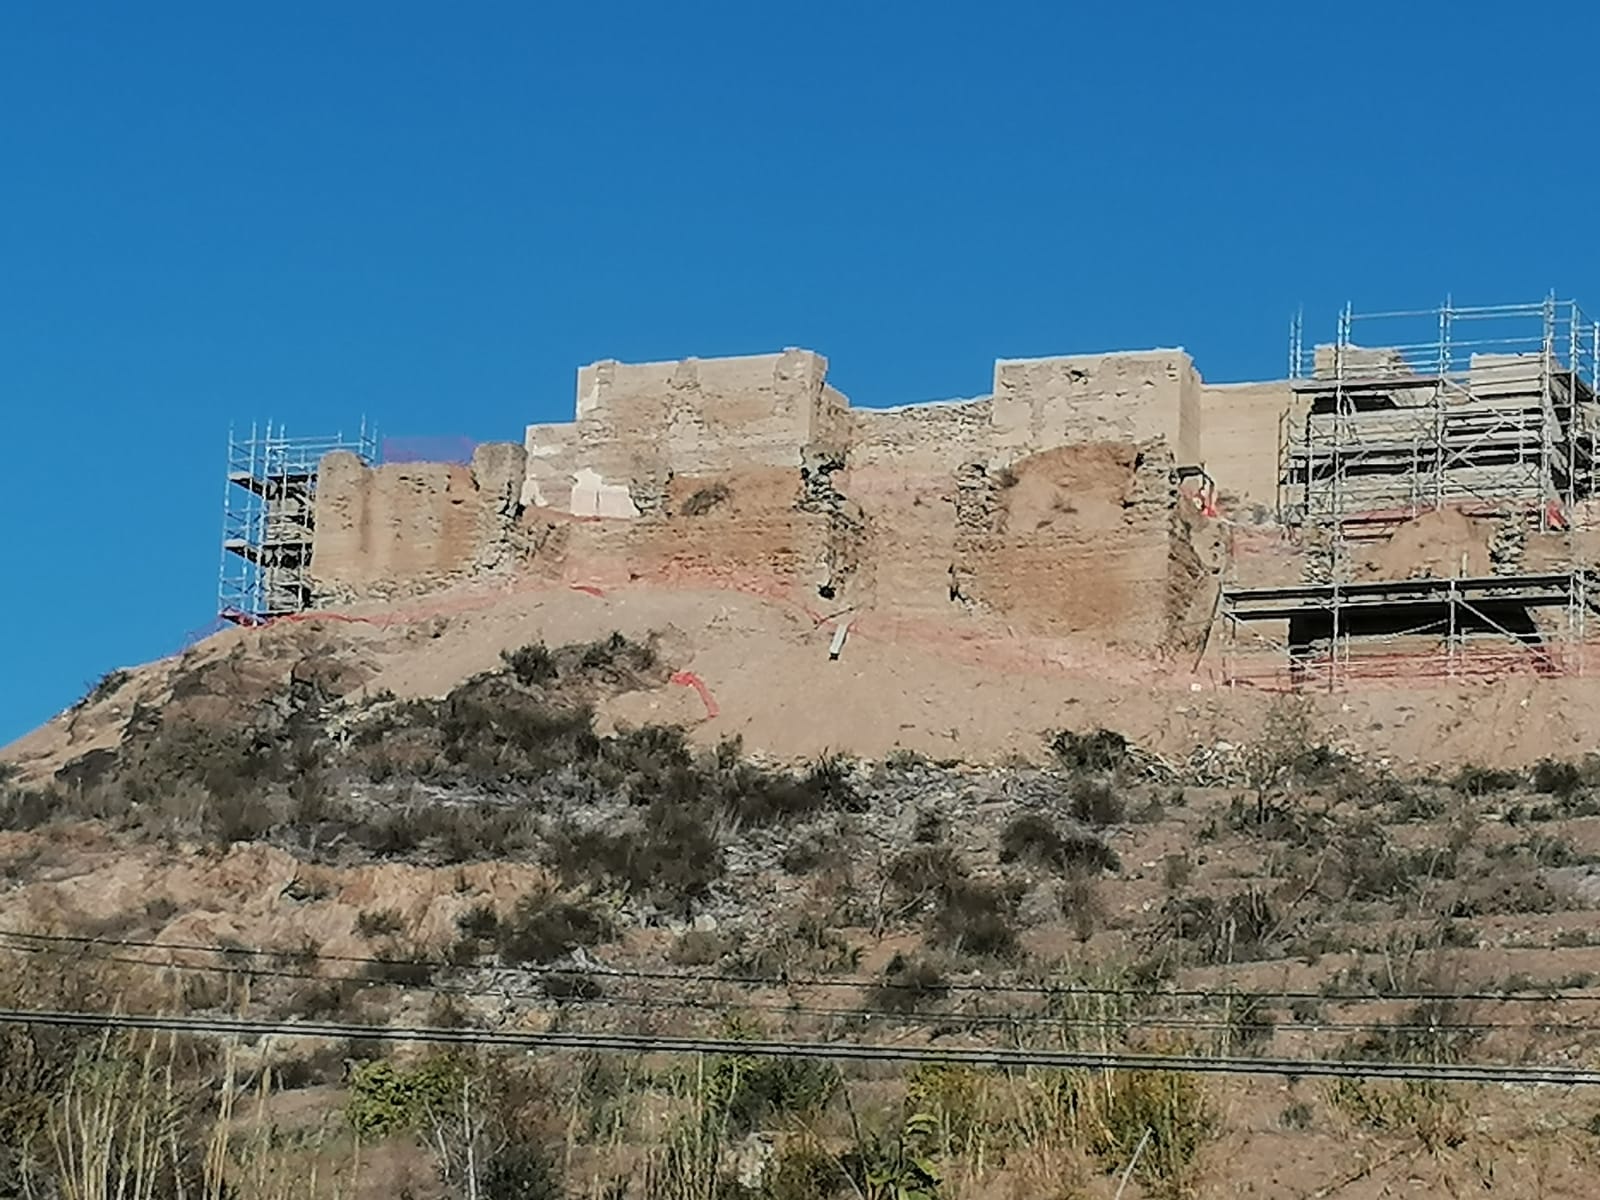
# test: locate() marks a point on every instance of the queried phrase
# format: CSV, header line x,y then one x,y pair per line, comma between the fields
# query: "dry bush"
x,y
671,855
1034,838
979,917
923,872
379,922
544,926
1080,903
1096,750
22,809
908,984
1477,781
1241,928
531,664
752,795
706,499
1093,802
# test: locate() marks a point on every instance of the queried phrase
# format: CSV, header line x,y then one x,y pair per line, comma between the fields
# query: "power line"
x,y
856,982
1482,1073
906,1017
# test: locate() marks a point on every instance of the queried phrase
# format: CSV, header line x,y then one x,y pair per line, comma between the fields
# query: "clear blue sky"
x,y
432,214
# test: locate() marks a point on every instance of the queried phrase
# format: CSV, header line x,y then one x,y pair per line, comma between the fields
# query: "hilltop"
x,y
505,813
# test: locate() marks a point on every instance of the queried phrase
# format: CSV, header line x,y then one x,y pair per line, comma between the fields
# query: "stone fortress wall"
x,y
1063,505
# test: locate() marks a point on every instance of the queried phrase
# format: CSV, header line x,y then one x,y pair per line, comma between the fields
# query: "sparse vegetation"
x,y
107,686
739,887
706,499
544,926
379,922
1097,750
1093,802
909,985
1032,837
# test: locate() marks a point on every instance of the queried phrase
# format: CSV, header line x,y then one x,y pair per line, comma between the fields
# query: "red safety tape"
x,y
690,679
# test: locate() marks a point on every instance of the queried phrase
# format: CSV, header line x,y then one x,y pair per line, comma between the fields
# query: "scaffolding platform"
x,y
269,520
1399,595
1343,628
1443,405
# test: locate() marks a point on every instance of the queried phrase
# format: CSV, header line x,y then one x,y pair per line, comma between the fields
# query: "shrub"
x,y
907,984
805,855
1033,837
1080,903
1296,1116
543,927
531,664
379,922
236,817
1166,1110
521,1171
979,918
480,922
907,760
1433,1031
27,808
226,758
758,797
697,948
493,733
671,856
1372,869
931,826
107,686
1287,750
759,1089
1237,930
571,985
804,1170
405,970
617,652
925,871
648,754
1177,870
1556,777
1099,750
1094,803
706,499
1477,782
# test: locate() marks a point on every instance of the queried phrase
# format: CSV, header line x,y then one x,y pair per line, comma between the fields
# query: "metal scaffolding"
x,y
269,518
1492,404
1490,410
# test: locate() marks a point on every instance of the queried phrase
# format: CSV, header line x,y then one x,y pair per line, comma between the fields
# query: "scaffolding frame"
x,y
1491,409
1495,404
269,519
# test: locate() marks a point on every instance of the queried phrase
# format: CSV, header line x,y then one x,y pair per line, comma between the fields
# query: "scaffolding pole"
x,y
269,519
1415,410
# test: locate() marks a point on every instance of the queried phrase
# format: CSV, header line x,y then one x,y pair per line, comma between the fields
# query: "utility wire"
x,y
908,1017
1483,1073
799,981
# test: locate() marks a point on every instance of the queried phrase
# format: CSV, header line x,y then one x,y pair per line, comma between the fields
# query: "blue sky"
x,y
433,214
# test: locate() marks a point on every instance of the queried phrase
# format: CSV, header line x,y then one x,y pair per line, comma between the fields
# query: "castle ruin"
x,y
1420,499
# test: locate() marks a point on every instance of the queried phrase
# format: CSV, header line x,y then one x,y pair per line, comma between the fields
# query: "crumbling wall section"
x,y
406,528
1083,541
